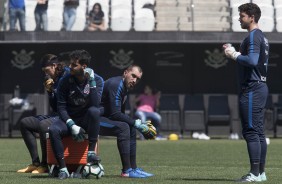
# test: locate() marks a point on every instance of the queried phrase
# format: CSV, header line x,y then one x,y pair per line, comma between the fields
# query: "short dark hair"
x,y
134,65
82,56
250,9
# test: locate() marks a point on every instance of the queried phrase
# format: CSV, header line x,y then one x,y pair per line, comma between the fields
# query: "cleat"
x,y
40,169
131,173
263,176
141,171
64,174
249,178
28,169
93,158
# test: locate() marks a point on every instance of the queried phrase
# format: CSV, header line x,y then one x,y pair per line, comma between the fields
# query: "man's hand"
x,y
76,131
147,129
48,84
230,51
89,74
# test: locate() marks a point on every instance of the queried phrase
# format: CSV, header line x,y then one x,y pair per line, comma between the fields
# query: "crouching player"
x,y
115,123
77,108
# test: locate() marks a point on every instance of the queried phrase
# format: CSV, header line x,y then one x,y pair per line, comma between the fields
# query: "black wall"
x,y
170,67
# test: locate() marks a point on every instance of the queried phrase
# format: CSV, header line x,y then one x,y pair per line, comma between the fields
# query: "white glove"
x,y
230,52
141,127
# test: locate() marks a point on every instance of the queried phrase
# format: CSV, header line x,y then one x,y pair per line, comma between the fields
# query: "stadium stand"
x,y
277,114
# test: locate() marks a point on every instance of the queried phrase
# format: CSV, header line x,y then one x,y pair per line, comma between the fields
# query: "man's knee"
x,y
93,112
124,131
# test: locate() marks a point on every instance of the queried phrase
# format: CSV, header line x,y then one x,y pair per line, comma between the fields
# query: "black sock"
x,y
255,168
261,168
62,162
125,159
92,145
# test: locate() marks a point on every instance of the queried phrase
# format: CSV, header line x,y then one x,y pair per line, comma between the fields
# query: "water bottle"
x,y
17,91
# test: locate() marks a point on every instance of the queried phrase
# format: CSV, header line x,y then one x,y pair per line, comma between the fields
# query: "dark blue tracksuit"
x,y
39,124
252,65
80,103
115,122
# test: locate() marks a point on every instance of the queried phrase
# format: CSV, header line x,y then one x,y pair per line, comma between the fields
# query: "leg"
x,y
29,126
57,130
43,129
71,18
13,20
121,131
44,20
37,20
92,126
22,19
249,131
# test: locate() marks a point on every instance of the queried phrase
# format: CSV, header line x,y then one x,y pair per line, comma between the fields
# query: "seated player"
x,y
78,110
29,126
115,122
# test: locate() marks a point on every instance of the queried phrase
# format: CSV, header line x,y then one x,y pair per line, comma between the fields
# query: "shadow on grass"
x,y
201,179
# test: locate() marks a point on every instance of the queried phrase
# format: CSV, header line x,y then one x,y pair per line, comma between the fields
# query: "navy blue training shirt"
x,y
253,60
113,100
74,98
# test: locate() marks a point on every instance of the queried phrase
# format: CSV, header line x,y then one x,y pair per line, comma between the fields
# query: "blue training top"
x,y
254,59
75,98
113,100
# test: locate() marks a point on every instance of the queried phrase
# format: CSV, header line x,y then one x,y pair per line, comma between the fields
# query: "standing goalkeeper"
x,y
252,64
116,123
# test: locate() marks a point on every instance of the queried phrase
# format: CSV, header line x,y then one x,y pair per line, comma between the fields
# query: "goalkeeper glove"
x,y
143,128
230,52
76,131
89,73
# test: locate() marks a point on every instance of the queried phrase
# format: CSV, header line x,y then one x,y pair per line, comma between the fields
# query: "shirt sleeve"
x,y
116,98
251,59
62,92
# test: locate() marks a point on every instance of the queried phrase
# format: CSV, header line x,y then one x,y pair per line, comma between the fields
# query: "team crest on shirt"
x,y
215,59
121,59
86,89
23,59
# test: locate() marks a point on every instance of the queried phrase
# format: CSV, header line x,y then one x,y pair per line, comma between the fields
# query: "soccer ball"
x,y
91,170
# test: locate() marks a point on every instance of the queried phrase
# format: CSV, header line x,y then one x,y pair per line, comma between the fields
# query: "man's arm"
x,y
62,92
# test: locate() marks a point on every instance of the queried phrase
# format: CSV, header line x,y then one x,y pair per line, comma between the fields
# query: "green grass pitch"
x,y
183,161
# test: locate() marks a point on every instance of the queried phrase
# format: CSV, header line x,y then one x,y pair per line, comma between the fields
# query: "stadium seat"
x,y
279,24
138,4
194,113
259,2
277,114
80,21
236,3
169,110
121,20
55,18
277,3
121,5
144,20
218,114
29,12
266,24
